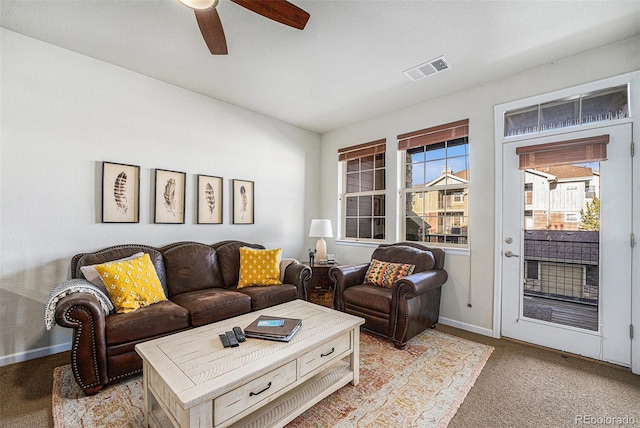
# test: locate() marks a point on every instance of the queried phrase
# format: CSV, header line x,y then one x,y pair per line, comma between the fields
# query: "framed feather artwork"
x,y
169,196
120,193
242,202
209,199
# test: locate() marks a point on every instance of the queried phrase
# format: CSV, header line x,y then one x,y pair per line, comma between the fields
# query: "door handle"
x,y
510,254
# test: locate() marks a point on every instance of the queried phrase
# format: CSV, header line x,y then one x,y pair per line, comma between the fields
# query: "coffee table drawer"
x,y
233,402
324,354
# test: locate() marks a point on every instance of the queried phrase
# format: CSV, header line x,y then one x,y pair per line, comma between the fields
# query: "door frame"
x,y
633,79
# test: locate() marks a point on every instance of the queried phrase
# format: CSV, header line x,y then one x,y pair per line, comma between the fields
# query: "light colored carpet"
x,y
421,386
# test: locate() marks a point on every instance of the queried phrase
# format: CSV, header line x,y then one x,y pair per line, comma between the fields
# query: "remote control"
x,y
239,334
225,340
231,337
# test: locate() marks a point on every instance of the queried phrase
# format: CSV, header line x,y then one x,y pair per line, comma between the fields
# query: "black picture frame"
x,y
243,201
169,196
209,199
120,193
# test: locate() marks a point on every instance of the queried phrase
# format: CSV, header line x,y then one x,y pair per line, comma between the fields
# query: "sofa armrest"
x,y
344,277
420,283
298,275
82,312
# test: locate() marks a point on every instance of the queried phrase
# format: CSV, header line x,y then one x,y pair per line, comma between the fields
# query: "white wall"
x,y
62,114
471,273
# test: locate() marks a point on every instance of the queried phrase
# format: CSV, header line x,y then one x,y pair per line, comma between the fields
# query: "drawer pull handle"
x,y
328,353
251,394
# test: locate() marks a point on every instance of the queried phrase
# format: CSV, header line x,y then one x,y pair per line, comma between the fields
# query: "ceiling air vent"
x,y
428,68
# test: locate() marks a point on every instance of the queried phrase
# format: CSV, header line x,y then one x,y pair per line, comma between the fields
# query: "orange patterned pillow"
x,y
384,274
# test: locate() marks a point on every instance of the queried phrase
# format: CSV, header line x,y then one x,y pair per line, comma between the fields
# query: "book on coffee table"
x,y
273,328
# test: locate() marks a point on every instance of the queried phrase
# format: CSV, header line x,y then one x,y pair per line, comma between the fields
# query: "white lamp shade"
x,y
320,228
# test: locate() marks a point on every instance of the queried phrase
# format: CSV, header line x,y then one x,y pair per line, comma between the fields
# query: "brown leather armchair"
x,y
403,311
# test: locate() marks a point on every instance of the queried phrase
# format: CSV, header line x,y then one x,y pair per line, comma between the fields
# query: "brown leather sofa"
x,y
200,282
401,312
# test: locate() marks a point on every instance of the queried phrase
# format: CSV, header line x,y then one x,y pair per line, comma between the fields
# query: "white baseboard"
x,y
468,327
34,353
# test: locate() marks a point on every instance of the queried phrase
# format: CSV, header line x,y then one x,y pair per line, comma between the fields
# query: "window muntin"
x,y
436,193
364,198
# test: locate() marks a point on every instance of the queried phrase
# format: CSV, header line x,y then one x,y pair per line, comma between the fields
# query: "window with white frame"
x,y
362,200
436,170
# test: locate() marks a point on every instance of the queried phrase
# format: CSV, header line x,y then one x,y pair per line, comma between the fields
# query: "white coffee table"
x,y
191,380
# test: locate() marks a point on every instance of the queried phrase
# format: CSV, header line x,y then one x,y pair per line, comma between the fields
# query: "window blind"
x,y
361,150
434,135
592,149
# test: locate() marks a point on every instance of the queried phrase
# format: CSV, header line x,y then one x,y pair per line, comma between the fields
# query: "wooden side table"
x,y
320,285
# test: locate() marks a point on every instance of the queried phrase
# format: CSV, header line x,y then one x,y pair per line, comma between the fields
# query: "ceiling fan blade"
x,y
212,32
278,10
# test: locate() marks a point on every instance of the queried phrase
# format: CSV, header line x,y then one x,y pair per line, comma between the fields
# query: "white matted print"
x,y
209,199
243,202
169,196
120,193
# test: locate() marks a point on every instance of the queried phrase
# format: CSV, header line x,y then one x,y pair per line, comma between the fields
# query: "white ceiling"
x,y
346,65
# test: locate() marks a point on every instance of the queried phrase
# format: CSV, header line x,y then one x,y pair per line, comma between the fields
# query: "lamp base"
x,y
321,251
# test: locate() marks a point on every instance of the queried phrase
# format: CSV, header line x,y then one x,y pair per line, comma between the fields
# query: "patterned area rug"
x,y
421,386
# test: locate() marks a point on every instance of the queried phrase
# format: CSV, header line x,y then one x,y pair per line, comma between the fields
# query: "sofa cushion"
x,y
259,267
378,299
131,284
191,266
213,304
229,259
384,274
154,320
422,259
264,297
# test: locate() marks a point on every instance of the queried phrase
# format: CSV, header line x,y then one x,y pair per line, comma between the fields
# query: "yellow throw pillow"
x,y
259,267
131,284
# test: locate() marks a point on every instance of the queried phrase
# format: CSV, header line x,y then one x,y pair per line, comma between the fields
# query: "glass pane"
x,y
379,162
605,105
379,184
353,182
351,228
378,205
365,228
411,230
353,165
562,245
559,114
415,155
366,181
415,175
521,121
459,166
457,147
432,231
436,151
365,206
414,204
366,162
435,169
352,206
378,228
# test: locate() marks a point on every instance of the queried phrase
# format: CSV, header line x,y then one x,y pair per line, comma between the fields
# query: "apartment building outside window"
x,y
362,200
436,172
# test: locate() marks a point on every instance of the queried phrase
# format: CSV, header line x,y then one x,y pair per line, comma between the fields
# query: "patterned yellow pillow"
x,y
384,274
131,284
259,267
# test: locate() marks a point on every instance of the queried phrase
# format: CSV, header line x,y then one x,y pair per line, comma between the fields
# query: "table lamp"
x,y
321,228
